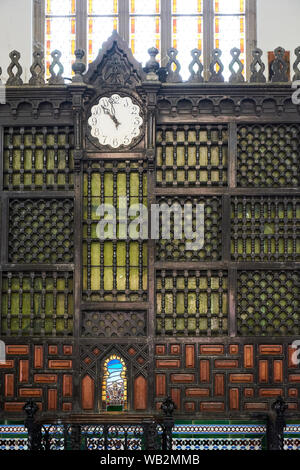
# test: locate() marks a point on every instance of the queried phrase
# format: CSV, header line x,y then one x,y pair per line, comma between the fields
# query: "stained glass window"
x,y
102,20
187,30
60,31
114,385
229,30
144,30
144,24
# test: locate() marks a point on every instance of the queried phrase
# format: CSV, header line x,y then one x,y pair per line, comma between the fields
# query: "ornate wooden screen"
x,y
211,327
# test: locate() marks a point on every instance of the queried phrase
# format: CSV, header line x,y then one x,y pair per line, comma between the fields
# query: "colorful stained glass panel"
x,y
114,387
144,7
60,8
230,33
60,34
187,34
229,6
100,7
189,7
99,29
144,33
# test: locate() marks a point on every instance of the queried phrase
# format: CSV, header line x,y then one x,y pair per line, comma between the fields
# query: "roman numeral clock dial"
x,y
115,121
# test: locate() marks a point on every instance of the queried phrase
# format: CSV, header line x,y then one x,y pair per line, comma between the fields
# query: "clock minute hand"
x,y
111,115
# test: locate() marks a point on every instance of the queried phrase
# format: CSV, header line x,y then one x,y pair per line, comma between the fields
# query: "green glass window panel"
x,y
32,303
191,156
120,266
38,158
191,304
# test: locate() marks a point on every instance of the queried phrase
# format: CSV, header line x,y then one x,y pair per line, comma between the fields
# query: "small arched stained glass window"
x,y
114,387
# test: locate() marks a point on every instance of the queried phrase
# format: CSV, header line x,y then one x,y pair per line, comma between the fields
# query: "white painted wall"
x,y
277,25
16,33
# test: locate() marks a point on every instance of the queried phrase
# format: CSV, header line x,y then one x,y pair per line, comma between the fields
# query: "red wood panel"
x,y
190,356
226,363
182,378
68,349
256,406
270,349
278,371
204,370
212,349
168,363
212,406
197,392
219,385
189,406
234,398
67,385
241,378
270,392
175,349
140,393
248,356
160,349
87,393
175,395
291,351
160,385
60,364
38,357
52,399
263,371
67,407
7,364
24,371
45,378
52,349
30,392
294,377
9,385
17,349
233,349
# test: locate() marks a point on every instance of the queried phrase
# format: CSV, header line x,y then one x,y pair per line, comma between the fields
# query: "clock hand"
x,y
111,115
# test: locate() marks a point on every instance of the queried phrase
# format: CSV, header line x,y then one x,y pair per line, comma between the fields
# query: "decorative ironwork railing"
x,y
153,433
149,434
279,68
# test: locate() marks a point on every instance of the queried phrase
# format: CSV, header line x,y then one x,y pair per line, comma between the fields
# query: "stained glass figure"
x,y
114,387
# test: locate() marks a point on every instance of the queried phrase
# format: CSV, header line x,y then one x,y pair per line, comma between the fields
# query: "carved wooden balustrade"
x,y
212,328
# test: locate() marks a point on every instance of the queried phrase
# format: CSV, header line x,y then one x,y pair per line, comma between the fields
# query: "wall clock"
x,y
115,121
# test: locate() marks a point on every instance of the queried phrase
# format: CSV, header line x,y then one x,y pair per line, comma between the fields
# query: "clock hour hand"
x,y
111,115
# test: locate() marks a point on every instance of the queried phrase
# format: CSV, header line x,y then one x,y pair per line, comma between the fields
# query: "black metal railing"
x,y
149,434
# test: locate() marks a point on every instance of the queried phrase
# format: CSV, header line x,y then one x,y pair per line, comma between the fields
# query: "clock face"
x,y
115,121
